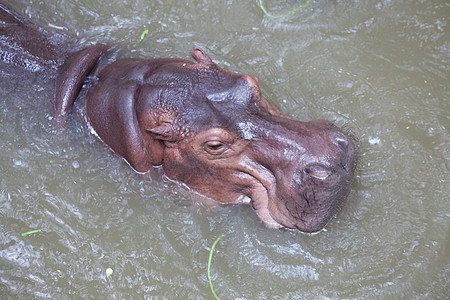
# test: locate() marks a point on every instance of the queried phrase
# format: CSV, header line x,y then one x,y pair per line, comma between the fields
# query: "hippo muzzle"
x,y
302,172
306,194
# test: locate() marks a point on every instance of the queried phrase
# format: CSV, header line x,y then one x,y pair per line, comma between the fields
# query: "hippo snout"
x,y
308,193
326,183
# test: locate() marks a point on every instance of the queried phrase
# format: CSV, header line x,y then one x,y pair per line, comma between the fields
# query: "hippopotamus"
x,y
208,128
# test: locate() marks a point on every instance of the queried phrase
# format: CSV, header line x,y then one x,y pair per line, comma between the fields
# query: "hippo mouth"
x,y
262,191
273,209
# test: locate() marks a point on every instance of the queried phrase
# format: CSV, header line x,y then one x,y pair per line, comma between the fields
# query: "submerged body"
x,y
209,128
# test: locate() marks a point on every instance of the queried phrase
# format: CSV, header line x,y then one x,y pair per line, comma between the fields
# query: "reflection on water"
x,y
379,68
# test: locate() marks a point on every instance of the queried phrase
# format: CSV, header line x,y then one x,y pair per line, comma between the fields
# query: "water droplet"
x,y
108,272
374,141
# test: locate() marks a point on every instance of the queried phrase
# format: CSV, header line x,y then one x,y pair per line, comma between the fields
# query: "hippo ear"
x,y
163,132
200,56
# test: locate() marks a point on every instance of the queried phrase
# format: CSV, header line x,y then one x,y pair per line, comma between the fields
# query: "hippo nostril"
x,y
339,139
318,171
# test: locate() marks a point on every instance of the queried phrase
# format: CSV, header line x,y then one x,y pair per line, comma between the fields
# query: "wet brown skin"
x,y
212,130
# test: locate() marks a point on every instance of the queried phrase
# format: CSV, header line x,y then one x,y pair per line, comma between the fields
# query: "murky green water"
x,y
380,68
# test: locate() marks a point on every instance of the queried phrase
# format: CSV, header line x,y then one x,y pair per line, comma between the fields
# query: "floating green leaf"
x,y
31,232
143,35
209,267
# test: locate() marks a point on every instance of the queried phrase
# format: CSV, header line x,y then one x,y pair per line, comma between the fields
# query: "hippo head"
x,y
229,143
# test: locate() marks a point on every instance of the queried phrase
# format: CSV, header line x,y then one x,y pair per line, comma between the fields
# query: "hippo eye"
x,y
215,147
318,171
